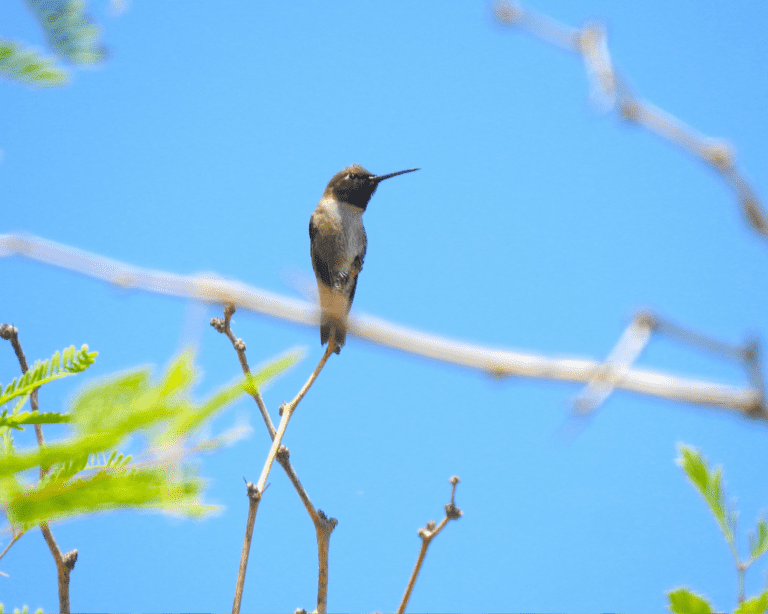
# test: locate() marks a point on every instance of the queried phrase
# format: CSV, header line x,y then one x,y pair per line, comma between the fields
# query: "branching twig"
x,y
610,90
223,327
634,340
490,360
13,541
628,348
323,525
427,534
65,563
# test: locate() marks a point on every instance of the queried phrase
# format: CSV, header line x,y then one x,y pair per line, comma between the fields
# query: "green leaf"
x,y
70,30
758,544
86,474
709,484
69,362
28,66
684,601
179,375
157,488
31,417
194,416
273,369
101,405
754,605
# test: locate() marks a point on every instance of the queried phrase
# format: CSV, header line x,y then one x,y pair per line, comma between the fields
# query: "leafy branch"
x,y
70,31
104,416
59,365
709,483
29,66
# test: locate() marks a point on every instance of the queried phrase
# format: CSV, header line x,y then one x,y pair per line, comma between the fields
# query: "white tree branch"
x,y
498,362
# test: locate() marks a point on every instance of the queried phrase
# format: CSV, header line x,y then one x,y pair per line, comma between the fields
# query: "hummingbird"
x,y
338,244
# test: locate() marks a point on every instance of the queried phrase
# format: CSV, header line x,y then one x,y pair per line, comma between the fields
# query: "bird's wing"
x,y
316,246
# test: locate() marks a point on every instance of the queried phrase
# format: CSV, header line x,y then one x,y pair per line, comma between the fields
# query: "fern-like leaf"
x,y
70,361
62,472
70,30
29,66
15,420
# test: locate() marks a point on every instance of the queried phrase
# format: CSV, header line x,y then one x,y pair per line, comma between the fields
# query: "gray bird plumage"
x,y
338,244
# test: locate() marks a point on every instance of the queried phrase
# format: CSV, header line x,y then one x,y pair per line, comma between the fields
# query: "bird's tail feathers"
x,y
330,323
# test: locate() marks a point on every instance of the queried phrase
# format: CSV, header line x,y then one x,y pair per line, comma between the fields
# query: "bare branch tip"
x,y
507,13
253,492
8,331
647,319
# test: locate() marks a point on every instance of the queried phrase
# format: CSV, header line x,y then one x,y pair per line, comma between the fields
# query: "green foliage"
x,y
15,421
709,484
70,361
69,29
24,610
755,605
85,474
29,66
683,601
758,543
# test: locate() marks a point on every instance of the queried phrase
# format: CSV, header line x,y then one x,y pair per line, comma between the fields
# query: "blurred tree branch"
x,y
609,91
747,401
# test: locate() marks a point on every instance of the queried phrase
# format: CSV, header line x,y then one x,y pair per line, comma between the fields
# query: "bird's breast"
x,y
340,227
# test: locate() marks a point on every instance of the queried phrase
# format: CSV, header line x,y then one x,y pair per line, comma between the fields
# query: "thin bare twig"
x,y
65,563
11,333
13,541
610,91
223,326
427,534
494,361
254,496
283,457
323,525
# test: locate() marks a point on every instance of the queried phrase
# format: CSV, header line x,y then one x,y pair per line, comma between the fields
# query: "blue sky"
x,y
203,144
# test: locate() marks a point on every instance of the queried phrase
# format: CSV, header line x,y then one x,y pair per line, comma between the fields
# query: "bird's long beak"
x,y
383,177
